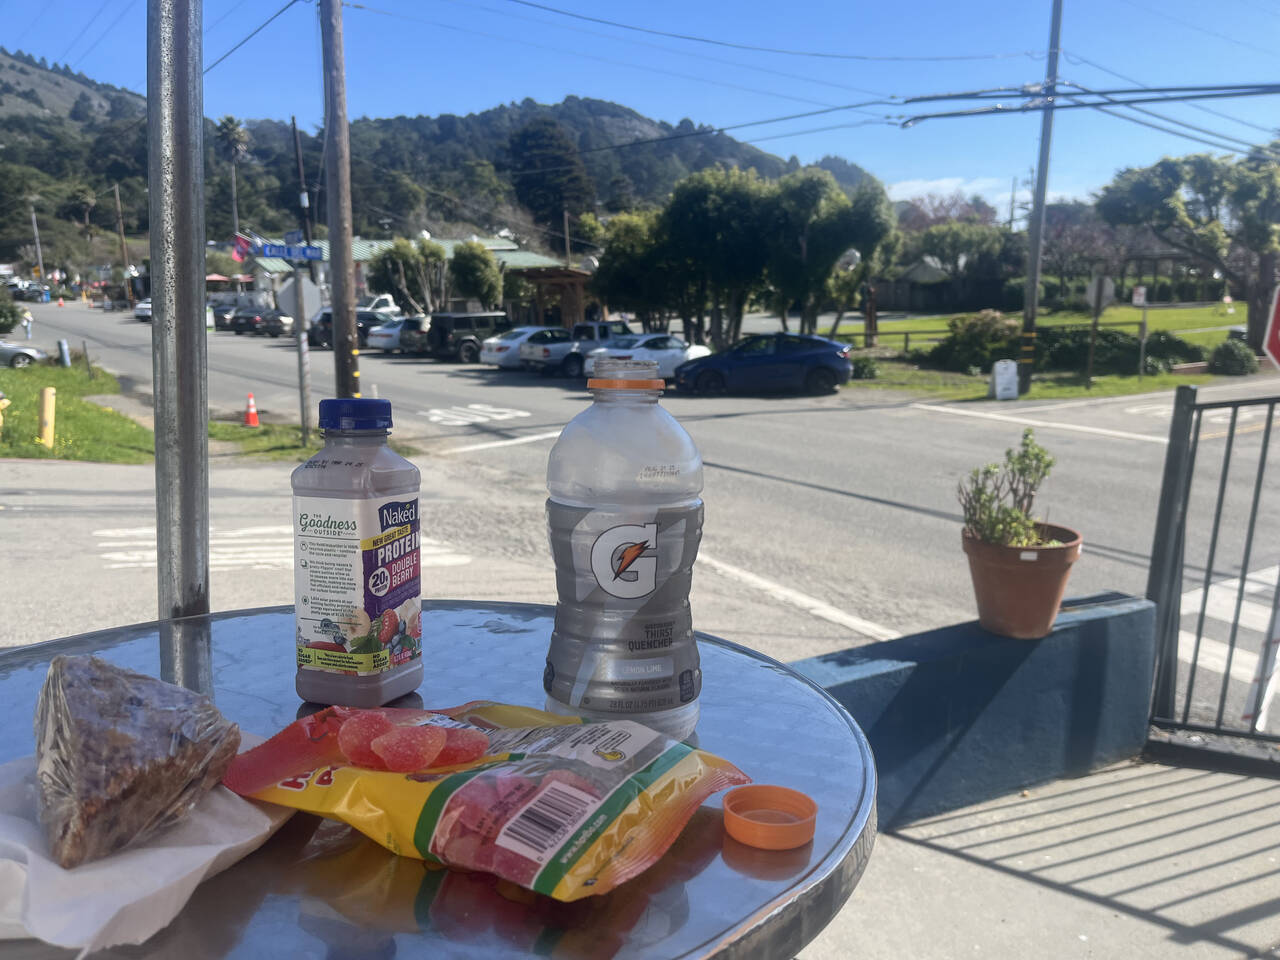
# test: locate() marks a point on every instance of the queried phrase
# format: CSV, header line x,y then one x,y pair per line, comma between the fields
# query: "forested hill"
x,y
67,139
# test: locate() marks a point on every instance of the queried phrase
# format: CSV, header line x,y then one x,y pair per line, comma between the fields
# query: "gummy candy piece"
x,y
406,749
461,745
356,736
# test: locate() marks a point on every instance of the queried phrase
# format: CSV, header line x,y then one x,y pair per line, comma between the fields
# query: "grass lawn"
x,y
942,385
277,441
1174,319
81,430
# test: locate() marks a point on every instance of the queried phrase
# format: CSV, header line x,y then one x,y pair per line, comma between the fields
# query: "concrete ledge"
x,y
958,715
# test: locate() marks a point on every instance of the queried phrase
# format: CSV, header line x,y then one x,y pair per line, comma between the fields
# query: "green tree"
x,y
813,224
82,109
474,273
409,271
232,141
215,261
1223,212
714,228
629,277
548,172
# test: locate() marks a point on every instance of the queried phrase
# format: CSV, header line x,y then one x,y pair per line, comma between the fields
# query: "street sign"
x,y
1139,296
291,252
1108,292
1271,339
293,237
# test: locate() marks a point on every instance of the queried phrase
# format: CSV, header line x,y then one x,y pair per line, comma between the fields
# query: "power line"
x,y
1181,123
103,35
251,35
760,49
836,126
1031,106
1155,126
1076,58
234,7
579,53
1200,28
684,53
83,30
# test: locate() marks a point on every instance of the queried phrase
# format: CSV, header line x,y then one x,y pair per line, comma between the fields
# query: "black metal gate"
x,y
1213,576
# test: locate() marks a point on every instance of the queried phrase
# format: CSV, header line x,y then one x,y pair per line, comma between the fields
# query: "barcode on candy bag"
x,y
546,821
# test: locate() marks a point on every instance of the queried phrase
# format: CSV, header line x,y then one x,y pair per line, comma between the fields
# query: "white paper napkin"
x,y
129,896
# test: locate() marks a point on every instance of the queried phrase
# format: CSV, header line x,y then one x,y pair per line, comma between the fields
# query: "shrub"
x,y
1067,348
10,314
864,368
976,340
1014,296
1171,349
1235,358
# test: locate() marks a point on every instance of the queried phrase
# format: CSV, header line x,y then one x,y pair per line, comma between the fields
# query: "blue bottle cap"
x,y
355,413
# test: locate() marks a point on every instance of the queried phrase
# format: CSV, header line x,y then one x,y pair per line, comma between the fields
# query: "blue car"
x,y
771,363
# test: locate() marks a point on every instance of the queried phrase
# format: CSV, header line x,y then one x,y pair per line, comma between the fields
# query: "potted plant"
x,y
1019,564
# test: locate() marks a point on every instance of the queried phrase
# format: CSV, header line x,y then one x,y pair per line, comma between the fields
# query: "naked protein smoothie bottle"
x,y
357,585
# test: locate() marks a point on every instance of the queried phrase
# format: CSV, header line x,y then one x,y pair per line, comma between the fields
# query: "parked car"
x,y
457,336
386,337
247,320
413,334
222,314
320,333
569,355
17,355
504,350
381,303
142,309
769,363
276,323
665,350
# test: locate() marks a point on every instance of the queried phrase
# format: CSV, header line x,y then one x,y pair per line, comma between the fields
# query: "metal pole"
x,y
304,198
338,150
1035,224
1164,576
35,229
175,123
300,313
1142,342
124,250
1100,281
565,211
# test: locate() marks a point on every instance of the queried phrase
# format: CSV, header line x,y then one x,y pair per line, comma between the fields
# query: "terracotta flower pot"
x,y
1019,589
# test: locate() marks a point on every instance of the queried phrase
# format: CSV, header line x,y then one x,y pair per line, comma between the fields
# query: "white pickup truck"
x,y
569,355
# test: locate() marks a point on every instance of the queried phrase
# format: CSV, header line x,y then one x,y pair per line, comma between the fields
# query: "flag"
x,y
240,247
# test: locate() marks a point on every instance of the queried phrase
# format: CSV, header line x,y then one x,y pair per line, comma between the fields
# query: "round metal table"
x,y
318,889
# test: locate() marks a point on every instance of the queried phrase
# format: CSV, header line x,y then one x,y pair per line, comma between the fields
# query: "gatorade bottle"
x,y
625,519
357,592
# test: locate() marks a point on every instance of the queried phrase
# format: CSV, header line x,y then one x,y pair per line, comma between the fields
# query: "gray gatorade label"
x,y
623,638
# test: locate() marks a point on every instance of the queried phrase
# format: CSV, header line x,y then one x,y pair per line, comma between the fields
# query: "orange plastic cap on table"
x,y
769,817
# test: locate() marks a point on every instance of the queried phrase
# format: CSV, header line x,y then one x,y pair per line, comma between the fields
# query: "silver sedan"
x,y
17,355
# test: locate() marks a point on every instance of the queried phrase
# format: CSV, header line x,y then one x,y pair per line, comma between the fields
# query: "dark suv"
x,y
457,336
320,333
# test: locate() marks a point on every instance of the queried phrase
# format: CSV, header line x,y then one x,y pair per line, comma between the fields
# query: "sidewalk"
x,y
1137,861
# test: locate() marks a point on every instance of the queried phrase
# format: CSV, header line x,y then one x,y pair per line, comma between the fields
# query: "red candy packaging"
x,y
560,807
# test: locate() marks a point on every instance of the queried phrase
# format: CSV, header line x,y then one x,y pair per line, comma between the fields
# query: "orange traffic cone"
x,y
251,413
60,303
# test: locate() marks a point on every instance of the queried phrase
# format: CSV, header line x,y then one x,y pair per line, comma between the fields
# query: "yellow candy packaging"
x,y
562,808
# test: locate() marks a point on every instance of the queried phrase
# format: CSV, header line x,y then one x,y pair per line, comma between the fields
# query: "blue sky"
x,y
462,56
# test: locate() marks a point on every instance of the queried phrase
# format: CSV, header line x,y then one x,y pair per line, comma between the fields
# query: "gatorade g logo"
x,y
623,560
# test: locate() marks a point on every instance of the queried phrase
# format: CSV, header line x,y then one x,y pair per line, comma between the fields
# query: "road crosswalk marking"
x,y
237,548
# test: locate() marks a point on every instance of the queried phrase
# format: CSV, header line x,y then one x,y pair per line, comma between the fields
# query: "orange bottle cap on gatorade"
x,y
769,817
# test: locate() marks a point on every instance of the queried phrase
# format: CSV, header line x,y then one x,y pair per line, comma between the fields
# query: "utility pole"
x,y
1013,196
124,250
342,299
35,229
300,311
1035,224
566,236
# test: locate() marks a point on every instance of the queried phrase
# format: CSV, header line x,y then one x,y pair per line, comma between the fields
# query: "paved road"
x,y
831,521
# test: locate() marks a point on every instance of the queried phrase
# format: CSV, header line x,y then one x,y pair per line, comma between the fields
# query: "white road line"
x,y
1213,656
810,605
1222,600
1048,424
531,438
